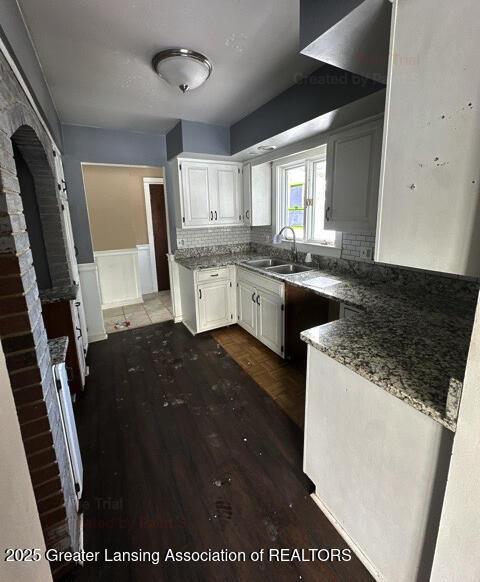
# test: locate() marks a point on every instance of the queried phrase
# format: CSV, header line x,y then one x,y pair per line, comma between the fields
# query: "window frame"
x,y
280,167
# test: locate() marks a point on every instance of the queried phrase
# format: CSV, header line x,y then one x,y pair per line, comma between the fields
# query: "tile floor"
x,y
156,307
280,379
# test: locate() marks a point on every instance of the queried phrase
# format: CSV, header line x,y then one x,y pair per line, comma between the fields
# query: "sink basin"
x,y
290,269
264,263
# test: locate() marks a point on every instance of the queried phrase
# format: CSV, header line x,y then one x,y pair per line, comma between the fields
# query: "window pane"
x,y
320,235
295,178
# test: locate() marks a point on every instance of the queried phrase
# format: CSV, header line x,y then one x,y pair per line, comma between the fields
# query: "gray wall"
x,y
317,16
325,90
198,138
175,141
205,138
15,36
102,146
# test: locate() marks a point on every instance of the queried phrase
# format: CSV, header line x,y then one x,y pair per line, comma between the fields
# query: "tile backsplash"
x,y
239,239
352,243
209,237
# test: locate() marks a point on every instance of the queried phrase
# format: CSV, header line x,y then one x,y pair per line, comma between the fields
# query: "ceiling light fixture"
x,y
267,148
182,68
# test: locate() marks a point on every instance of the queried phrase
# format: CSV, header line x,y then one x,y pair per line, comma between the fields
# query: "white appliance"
x,y
69,428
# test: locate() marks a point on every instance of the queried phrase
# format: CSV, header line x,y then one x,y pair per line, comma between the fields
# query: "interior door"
x,y
214,305
195,194
160,239
270,320
247,308
226,184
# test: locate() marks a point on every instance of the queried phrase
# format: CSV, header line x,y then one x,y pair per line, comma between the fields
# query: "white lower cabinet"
x,y
218,297
214,305
260,305
270,320
247,308
208,298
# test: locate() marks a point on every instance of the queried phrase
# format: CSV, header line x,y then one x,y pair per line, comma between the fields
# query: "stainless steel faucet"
x,y
277,238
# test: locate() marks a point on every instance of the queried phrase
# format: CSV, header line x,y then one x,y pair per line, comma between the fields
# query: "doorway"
x,y
121,218
159,234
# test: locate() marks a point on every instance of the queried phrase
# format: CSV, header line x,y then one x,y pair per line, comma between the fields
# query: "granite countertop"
x,y
66,293
212,261
58,350
412,345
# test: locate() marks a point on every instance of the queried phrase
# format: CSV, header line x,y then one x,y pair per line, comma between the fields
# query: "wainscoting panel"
x,y
92,301
147,284
118,274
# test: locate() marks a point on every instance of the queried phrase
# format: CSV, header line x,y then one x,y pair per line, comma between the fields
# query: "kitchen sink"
x,y
290,269
264,263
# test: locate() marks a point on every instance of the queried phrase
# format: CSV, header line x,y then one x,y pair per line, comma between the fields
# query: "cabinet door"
x,y
247,308
226,194
247,194
353,169
270,329
79,334
214,309
261,194
196,193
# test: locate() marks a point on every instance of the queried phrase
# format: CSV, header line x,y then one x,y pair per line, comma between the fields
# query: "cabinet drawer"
x,y
204,275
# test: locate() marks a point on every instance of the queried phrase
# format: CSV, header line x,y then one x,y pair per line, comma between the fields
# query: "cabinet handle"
x,y
211,214
327,213
216,275
253,297
258,299
247,214
79,329
215,215
199,293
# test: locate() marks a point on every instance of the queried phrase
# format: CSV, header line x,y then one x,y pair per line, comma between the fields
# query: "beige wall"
x,y
116,205
19,521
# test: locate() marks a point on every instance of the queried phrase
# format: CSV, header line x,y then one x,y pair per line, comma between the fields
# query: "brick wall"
x,y
22,331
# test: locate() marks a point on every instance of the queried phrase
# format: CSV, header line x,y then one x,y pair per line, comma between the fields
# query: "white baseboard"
x,y
353,546
97,338
177,320
122,303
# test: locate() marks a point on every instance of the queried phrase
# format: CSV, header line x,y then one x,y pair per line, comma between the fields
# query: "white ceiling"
x,y
96,58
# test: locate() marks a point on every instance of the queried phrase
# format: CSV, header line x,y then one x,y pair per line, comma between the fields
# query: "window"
x,y
301,197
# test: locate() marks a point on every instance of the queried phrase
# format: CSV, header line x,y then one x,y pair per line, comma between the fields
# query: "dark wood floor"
x,y
183,450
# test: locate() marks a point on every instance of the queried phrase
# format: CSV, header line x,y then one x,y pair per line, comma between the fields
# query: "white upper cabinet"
x,y
226,196
210,193
195,187
257,194
352,178
429,206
